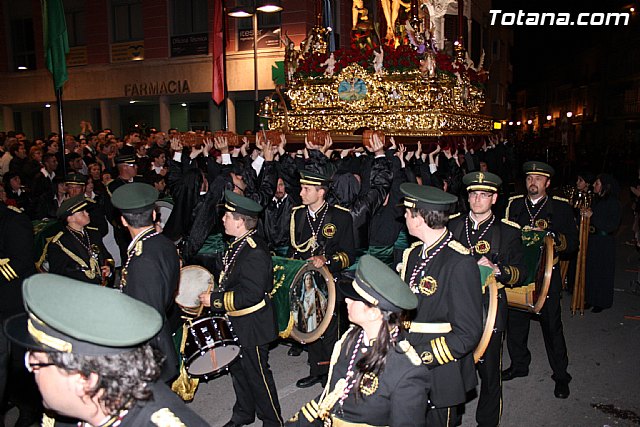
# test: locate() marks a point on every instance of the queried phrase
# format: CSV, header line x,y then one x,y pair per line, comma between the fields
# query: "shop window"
x,y
189,17
22,43
126,16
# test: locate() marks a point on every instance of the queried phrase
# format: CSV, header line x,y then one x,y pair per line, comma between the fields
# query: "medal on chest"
x,y
428,285
482,247
542,223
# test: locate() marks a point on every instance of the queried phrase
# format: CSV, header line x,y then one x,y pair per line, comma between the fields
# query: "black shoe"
x,y
510,373
561,391
310,380
232,424
295,351
596,309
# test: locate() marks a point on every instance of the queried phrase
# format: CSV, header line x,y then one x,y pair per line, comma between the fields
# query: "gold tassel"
x,y
184,386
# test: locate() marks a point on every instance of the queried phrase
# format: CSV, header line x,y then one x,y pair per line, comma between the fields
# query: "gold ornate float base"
x,y
399,122
400,104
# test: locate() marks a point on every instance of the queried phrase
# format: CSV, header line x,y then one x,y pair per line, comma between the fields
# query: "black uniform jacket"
x,y
246,285
152,276
396,397
553,214
450,296
164,409
16,258
68,257
334,231
499,241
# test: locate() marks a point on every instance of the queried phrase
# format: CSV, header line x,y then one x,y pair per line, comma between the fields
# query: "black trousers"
x,y
254,387
551,323
444,417
4,361
489,368
320,350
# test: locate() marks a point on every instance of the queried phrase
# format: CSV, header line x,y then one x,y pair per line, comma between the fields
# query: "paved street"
x,y
604,353
604,360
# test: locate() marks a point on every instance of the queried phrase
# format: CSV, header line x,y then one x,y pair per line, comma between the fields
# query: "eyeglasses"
x,y
32,367
480,195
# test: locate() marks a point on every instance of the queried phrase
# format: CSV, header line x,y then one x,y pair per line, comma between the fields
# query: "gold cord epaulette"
x,y
251,243
511,199
15,209
48,421
511,223
458,247
405,258
295,208
341,208
410,352
91,228
455,215
43,256
562,199
165,418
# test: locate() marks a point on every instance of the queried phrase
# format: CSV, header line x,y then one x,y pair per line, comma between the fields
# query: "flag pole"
x,y
61,124
225,109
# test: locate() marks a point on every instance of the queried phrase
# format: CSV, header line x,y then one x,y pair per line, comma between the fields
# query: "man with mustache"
x,y
539,211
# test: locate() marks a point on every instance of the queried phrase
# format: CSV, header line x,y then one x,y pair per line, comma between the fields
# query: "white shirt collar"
x,y
137,237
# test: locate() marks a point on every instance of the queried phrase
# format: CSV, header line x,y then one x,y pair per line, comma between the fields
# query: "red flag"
x,y
217,93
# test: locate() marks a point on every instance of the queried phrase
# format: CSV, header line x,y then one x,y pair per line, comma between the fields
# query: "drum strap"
x,y
428,328
248,310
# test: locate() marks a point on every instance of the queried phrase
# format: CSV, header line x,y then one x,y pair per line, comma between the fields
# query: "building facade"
x,y
148,63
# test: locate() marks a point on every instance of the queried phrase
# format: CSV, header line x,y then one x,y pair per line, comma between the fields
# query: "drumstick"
x,y
214,359
201,307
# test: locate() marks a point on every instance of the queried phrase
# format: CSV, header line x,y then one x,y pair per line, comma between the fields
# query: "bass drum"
x,y
539,258
304,298
490,310
210,347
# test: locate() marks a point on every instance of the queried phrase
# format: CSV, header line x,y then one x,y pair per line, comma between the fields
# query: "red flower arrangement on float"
x,y
403,58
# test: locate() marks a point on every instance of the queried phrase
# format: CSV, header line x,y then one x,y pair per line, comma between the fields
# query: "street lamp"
x,y
264,6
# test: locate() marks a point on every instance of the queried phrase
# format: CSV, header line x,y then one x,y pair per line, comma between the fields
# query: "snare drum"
x,y
210,347
194,280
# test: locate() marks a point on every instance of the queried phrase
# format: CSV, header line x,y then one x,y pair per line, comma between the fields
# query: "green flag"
x,y
56,42
277,73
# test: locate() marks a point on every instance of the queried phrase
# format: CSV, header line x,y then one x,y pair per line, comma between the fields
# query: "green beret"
x,y
313,178
73,205
133,197
427,197
75,179
380,286
240,204
70,316
538,168
483,181
128,159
